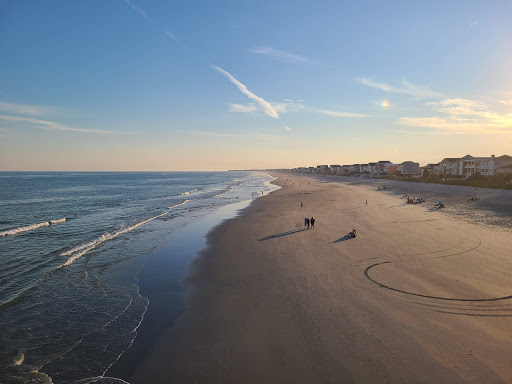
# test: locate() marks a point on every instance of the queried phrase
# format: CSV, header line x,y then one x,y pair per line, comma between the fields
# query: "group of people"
x,y
308,222
418,200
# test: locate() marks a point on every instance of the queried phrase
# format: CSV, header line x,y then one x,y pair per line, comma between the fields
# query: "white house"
x,y
485,166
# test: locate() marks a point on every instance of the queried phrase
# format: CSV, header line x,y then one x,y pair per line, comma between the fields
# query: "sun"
x,y
386,104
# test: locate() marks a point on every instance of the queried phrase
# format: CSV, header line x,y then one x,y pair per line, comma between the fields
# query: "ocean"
x,y
72,248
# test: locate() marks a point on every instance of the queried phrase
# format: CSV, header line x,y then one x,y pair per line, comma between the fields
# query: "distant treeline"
x,y
496,182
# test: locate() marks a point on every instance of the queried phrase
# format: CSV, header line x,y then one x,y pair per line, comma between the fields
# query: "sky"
x,y
153,85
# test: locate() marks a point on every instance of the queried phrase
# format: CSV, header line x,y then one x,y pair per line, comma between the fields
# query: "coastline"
x,y
272,302
160,282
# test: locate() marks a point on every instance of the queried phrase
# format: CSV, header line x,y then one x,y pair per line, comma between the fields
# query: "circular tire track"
x,y
425,296
452,299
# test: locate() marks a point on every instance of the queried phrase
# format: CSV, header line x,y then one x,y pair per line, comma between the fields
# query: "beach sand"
x,y
420,296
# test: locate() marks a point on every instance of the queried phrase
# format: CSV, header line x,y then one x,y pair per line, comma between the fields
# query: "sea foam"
x,y
187,193
77,252
31,227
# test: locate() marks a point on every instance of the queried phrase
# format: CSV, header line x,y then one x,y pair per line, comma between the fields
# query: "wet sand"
x,y
420,296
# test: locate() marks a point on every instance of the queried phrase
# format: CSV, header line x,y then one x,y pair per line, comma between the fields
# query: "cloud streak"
x,y
171,35
44,124
243,108
264,105
281,55
406,89
146,16
289,130
291,106
463,116
27,109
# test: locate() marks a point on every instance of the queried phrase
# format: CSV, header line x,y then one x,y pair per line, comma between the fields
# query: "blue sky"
x,y
212,85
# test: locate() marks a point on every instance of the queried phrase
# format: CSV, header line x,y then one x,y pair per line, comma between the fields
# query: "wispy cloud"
x,y
288,106
336,113
291,106
289,130
406,89
50,125
27,109
170,35
137,9
146,16
281,55
243,108
463,116
264,105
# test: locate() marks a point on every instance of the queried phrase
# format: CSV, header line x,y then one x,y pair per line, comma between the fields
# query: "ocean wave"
x,y
81,250
31,227
223,193
187,193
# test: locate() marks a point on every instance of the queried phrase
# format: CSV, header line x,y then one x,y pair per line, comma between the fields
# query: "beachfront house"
x,y
506,170
322,168
334,169
354,168
485,166
449,166
430,169
380,167
502,162
391,169
344,169
363,168
409,168
372,168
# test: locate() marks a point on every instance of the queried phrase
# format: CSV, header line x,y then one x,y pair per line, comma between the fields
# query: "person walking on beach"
x,y
366,202
312,222
307,222
301,203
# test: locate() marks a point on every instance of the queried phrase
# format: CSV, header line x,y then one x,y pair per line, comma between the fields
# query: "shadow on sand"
x,y
282,234
344,238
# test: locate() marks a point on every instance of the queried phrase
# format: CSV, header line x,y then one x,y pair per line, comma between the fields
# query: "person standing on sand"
x,y
307,222
366,202
312,222
301,203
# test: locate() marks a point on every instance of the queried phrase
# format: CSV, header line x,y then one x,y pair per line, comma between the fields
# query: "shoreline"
x,y
166,293
271,302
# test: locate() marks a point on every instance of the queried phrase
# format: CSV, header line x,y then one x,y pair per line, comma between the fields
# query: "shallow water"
x,y
72,246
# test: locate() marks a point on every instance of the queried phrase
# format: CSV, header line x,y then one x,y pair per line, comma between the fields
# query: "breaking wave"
x,y
224,192
31,227
187,193
81,250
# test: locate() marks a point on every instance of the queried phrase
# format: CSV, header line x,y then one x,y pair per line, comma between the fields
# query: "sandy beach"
x,y
420,296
